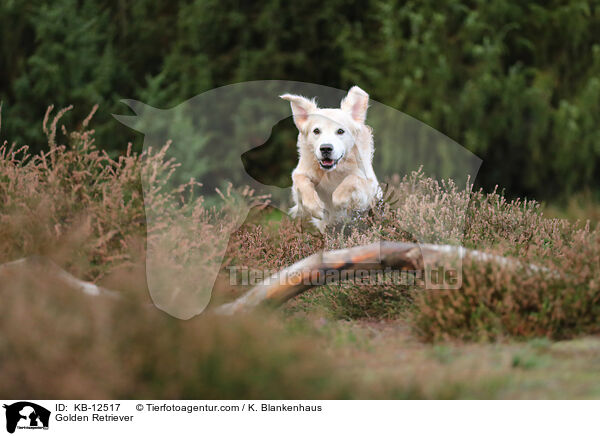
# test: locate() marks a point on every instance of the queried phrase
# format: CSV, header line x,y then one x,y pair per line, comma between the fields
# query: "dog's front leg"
x,y
306,196
353,194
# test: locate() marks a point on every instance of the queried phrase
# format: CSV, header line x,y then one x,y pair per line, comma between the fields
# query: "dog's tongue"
x,y
328,161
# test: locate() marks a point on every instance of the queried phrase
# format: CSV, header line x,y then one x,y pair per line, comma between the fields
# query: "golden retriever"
x,y
334,176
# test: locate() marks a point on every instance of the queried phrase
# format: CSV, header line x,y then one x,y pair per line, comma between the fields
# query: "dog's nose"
x,y
326,149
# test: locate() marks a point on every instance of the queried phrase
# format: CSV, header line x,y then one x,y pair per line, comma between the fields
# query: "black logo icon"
x,y
26,415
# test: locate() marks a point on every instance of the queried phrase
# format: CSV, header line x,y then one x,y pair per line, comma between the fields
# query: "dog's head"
x,y
330,133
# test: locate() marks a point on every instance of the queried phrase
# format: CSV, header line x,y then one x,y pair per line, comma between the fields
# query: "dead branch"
x,y
308,273
40,263
303,275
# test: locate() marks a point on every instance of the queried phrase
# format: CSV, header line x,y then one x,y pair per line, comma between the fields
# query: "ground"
x,y
388,352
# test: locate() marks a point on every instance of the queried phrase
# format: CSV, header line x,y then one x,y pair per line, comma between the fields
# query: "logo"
x,y
237,136
26,415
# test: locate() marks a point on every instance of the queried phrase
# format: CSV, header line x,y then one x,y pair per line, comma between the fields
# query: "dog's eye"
x,y
340,131
316,131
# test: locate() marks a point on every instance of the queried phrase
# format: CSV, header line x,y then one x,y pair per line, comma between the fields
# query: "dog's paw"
x,y
340,200
321,225
314,206
349,198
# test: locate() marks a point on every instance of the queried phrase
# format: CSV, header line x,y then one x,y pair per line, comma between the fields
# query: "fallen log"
x,y
302,275
299,277
307,273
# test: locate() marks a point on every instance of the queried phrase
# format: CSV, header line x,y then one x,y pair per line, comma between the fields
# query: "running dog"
x,y
334,176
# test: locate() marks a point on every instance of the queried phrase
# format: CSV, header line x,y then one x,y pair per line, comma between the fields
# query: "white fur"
x,y
327,196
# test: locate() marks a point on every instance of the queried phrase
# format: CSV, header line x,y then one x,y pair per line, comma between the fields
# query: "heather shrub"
x,y
272,245
71,203
85,210
59,343
550,289
498,301
416,208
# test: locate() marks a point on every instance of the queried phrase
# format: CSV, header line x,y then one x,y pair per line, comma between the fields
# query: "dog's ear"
x,y
356,104
301,108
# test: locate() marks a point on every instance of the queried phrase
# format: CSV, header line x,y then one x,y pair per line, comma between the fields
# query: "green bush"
x,y
514,82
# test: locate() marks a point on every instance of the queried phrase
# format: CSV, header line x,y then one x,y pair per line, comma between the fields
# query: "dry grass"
x,y
77,206
495,301
85,211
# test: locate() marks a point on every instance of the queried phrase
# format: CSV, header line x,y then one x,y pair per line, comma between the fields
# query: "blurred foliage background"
x,y
517,83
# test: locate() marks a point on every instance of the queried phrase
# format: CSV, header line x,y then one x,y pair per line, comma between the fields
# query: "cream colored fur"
x,y
329,196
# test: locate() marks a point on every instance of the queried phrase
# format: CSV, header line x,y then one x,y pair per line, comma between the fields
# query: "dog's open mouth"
x,y
328,164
